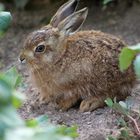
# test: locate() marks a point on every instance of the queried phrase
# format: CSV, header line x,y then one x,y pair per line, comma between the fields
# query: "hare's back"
x,y
101,51
93,39
94,44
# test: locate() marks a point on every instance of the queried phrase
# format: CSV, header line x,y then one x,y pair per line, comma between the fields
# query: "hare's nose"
x,y
22,59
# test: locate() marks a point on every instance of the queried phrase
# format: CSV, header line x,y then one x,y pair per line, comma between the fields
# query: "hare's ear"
x,y
64,11
73,23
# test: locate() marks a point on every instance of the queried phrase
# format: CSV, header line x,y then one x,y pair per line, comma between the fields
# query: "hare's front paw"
x,y
38,102
65,104
90,104
62,105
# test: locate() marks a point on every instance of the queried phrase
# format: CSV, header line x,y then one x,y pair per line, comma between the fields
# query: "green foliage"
x,y
126,133
137,65
5,21
11,75
20,4
121,107
111,138
1,7
109,102
121,122
8,116
8,83
68,131
13,127
126,57
105,2
129,55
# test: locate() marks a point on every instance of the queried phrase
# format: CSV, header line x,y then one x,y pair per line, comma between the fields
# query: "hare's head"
x,y
41,46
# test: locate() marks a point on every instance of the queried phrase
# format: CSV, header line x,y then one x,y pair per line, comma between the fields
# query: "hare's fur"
x,y
83,67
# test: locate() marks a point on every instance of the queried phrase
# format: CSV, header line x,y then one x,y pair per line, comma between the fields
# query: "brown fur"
x,y
81,67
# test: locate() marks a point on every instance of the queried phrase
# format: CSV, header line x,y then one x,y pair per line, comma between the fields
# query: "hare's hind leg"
x,y
92,103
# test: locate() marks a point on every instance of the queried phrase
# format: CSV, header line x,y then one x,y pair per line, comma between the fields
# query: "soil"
x,y
121,21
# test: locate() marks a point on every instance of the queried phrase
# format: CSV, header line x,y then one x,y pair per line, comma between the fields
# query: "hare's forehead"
x,y
39,36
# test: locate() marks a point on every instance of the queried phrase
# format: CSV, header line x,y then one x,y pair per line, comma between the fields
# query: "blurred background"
x,y
118,17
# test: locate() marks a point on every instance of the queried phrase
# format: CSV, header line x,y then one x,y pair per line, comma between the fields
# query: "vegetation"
x,y
105,2
127,123
5,20
128,56
13,127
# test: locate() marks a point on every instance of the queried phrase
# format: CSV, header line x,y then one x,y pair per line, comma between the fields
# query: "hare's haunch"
x,y
68,66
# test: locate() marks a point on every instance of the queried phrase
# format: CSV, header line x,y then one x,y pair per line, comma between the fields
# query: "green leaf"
x,y
120,109
137,65
121,122
105,2
135,47
5,92
13,77
115,100
42,120
111,138
10,118
68,131
124,133
37,133
123,104
5,21
31,123
109,102
2,7
17,99
126,57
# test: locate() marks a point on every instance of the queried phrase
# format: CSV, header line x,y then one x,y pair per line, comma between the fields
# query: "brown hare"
x,y
68,66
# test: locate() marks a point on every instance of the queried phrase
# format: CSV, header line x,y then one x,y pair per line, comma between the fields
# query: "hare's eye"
x,y
40,48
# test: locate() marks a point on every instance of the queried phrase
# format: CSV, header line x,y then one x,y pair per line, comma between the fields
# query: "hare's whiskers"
x,y
39,75
15,64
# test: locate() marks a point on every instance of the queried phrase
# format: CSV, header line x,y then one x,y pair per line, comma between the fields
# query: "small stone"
x,y
87,113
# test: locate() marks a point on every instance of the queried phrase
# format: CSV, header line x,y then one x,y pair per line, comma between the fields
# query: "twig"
x,y
135,123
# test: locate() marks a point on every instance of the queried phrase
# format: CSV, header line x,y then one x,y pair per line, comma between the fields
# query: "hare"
x,y
69,66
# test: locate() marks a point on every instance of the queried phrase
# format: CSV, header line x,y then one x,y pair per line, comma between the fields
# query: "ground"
x,y
118,20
